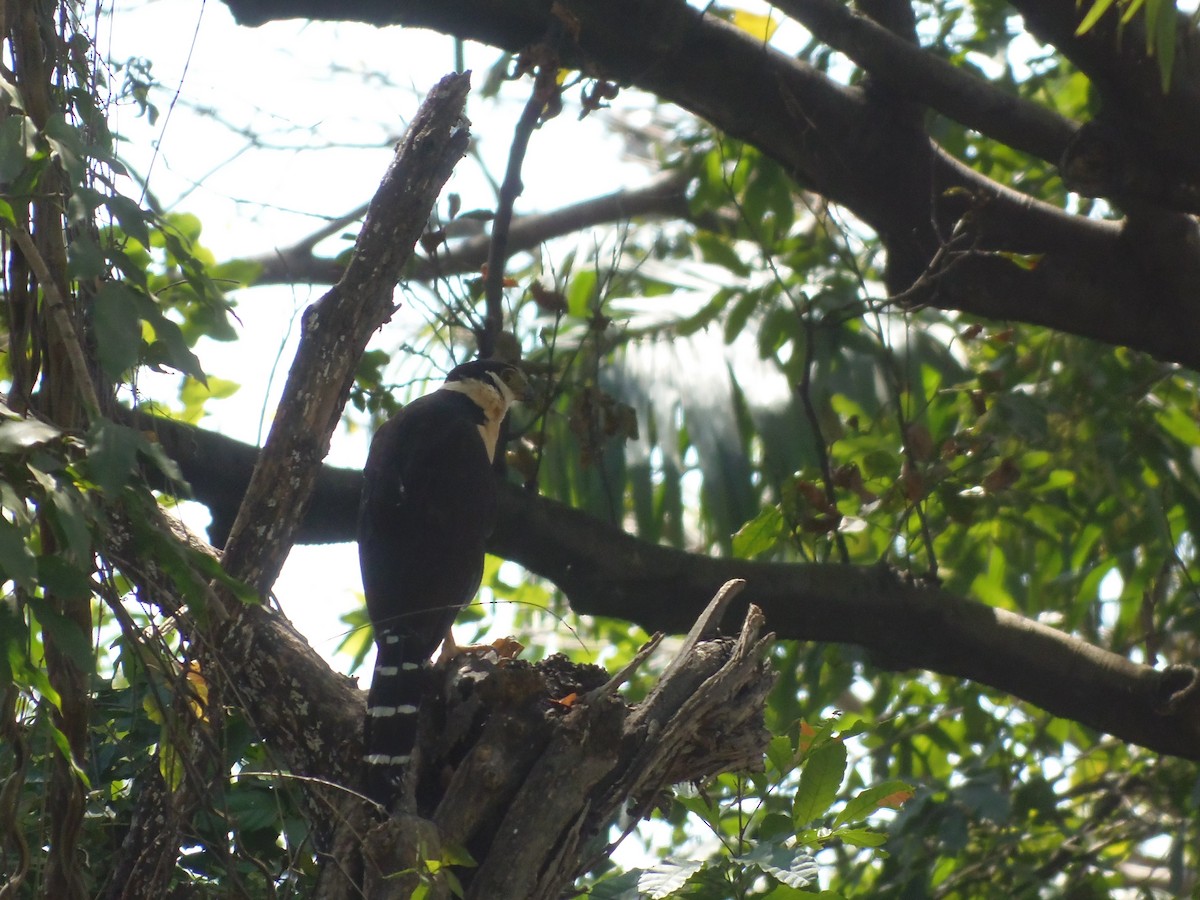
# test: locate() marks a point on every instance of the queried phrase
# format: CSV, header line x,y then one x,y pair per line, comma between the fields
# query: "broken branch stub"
x,y
526,766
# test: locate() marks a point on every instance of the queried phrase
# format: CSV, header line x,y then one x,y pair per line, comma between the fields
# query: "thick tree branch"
x,y
286,690
309,716
825,134
933,81
529,786
604,571
1161,127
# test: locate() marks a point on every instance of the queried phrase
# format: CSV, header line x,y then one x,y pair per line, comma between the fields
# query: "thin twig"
x,y
60,318
626,672
804,389
544,87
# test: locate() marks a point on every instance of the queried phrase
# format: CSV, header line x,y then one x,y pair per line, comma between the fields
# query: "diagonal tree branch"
x,y
260,658
545,89
335,332
257,660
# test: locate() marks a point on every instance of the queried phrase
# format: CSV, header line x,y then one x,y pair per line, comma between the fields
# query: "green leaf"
x,y
170,764
58,576
68,512
72,642
458,855
117,324
580,293
19,435
789,865
24,673
14,639
760,535
86,258
195,394
18,139
759,27
780,752
666,877
131,217
783,892
621,886
737,317
171,348
861,837
1164,41
820,779
720,251
889,793
252,807
16,559
986,798
112,454
1099,8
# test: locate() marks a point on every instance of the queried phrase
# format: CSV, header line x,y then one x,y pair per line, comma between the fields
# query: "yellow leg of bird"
x,y
503,648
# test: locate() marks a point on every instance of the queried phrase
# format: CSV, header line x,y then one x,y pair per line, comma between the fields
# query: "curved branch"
x,y
663,196
544,88
605,571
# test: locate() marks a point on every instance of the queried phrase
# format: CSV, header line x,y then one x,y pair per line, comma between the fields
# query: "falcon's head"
x,y
494,386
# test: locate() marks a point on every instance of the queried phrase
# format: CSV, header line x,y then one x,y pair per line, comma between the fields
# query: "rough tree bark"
x,y
1131,283
578,763
526,767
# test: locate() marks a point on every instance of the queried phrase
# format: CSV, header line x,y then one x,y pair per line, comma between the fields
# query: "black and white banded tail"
x,y
393,708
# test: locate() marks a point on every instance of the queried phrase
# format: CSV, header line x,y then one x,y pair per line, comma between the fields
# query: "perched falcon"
x,y
428,505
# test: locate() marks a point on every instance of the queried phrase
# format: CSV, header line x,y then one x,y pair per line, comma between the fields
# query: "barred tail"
x,y
393,702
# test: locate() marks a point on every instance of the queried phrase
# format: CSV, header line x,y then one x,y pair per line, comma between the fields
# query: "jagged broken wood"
x,y
529,783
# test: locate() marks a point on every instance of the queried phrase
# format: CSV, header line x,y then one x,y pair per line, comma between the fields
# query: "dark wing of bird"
x,y
428,506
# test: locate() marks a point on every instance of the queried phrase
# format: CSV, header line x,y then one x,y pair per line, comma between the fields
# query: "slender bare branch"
x,y
662,196
544,87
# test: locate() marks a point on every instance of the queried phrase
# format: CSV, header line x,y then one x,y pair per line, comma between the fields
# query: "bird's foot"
x,y
502,648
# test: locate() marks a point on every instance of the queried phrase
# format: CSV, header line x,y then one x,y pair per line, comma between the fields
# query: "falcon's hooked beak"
x,y
513,385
